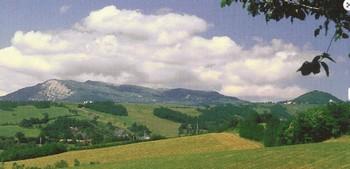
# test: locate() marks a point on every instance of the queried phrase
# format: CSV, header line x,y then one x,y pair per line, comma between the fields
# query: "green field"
x,y
26,112
139,113
10,131
162,148
214,151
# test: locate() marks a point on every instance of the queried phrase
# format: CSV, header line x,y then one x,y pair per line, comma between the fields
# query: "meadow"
x,y
215,142
137,113
214,151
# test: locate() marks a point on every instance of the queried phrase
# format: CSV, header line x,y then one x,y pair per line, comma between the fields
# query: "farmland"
x,y
217,151
170,147
139,113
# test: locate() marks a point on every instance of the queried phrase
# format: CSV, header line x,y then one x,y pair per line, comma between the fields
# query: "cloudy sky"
x,y
163,43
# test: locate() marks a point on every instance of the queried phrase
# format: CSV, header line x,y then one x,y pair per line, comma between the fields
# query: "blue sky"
x,y
233,22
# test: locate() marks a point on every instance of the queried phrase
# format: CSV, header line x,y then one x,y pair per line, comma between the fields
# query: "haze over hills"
x,y
73,91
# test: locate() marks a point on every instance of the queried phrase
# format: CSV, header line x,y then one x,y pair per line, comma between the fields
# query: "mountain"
x,y
73,91
315,97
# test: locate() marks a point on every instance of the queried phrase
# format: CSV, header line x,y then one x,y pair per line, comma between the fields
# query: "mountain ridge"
x,y
74,91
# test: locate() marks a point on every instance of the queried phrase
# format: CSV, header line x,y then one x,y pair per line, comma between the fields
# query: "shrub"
x,y
61,164
108,107
31,151
76,162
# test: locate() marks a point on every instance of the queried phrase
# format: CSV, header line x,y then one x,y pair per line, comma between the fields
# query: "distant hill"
x,y
73,91
316,97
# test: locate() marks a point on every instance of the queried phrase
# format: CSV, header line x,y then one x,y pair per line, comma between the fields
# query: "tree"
x,y
20,137
331,11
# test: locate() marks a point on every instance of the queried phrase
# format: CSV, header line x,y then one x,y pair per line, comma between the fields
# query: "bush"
x,y
318,124
31,151
61,164
251,129
172,115
42,104
76,162
139,130
108,107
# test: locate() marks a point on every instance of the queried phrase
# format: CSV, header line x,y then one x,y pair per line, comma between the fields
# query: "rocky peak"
x,y
55,90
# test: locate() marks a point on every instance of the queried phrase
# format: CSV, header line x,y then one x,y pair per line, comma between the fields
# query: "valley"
x,y
109,134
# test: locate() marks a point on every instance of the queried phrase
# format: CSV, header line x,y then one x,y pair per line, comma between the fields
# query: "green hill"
x,y
316,97
215,142
214,151
137,113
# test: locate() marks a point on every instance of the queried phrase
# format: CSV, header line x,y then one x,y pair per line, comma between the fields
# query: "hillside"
x,y
315,97
154,149
214,151
73,91
137,113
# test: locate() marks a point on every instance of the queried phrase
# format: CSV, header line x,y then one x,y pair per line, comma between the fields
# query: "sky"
x,y
192,44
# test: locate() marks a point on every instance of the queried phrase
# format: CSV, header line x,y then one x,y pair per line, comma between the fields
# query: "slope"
x,y
315,97
162,148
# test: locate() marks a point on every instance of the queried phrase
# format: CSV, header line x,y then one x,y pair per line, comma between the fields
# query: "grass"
x,y
312,156
143,113
139,113
212,151
162,148
9,119
26,112
191,111
10,131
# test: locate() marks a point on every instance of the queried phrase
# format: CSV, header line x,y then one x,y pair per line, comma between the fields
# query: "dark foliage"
x,y
107,107
31,151
28,123
88,132
139,130
169,114
330,12
250,127
317,125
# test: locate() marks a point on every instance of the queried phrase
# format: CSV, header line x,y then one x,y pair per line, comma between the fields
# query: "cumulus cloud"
x,y
160,50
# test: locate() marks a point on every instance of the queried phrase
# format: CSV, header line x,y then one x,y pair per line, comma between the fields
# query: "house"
x,y
88,102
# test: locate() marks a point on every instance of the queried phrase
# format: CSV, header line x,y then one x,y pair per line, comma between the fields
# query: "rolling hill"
x,y
73,91
214,151
215,142
315,97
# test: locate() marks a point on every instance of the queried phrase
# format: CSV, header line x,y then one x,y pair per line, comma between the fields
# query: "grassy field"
x,y
163,148
10,119
10,131
139,113
26,112
213,151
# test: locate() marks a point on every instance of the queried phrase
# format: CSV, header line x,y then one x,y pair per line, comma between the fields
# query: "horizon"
x,y
230,55
260,101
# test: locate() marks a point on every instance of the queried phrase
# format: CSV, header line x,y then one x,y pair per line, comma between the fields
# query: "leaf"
x,y
326,55
317,32
225,2
306,68
316,67
345,36
317,58
325,67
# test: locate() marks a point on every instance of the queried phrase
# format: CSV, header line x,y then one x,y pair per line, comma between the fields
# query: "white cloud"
x,y
64,9
163,50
